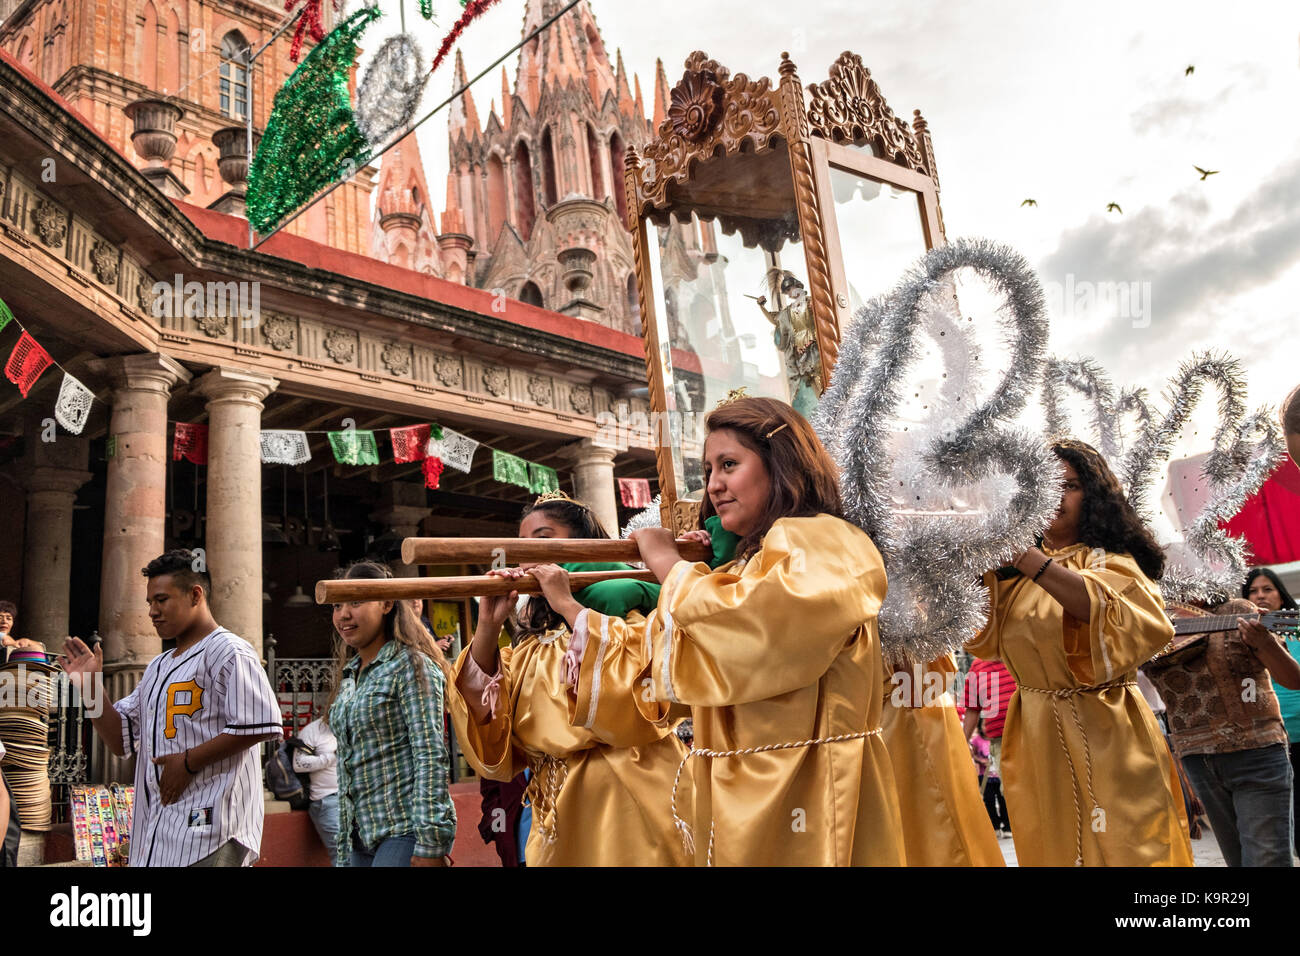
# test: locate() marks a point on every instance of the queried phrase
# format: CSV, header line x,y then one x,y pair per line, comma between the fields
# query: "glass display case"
x,y
763,217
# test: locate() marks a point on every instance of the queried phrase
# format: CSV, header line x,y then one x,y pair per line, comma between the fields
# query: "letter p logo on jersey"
x,y
184,699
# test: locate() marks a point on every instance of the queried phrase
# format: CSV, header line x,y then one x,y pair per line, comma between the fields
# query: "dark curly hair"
x,y
803,476
1106,519
537,615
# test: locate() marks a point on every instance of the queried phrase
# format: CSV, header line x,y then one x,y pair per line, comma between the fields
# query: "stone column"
x,y
234,532
47,561
402,506
593,481
135,517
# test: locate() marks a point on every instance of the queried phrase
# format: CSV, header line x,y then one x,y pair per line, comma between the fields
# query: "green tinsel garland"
x,y
311,138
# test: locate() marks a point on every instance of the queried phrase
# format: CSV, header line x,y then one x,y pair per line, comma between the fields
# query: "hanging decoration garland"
x,y
311,138
72,407
934,556
309,24
473,10
410,444
190,442
390,93
27,362
353,446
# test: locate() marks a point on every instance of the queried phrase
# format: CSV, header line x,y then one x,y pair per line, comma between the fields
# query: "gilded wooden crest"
x,y
849,108
712,112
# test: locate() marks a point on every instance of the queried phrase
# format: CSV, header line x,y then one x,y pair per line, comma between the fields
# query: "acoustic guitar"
x,y
1191,625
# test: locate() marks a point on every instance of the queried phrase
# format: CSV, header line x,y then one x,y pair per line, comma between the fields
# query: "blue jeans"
x,y
325,815
392,851
1247,796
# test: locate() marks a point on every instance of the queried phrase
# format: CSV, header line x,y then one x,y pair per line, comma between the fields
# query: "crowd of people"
x,y
569,702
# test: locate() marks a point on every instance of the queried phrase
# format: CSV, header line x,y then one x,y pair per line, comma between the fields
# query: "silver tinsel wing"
x,y
952,497
390,93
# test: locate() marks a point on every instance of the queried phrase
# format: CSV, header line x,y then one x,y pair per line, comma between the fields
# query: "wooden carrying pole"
x,y
510,551
455,588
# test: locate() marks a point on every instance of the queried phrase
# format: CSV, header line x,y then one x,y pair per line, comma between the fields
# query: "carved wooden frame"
x,y
714,115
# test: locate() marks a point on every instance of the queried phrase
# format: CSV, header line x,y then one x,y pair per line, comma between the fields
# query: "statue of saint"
x,y
795,334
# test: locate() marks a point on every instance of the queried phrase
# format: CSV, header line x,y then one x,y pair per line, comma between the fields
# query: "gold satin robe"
x,y
1097,750
783,650
945,822
606,797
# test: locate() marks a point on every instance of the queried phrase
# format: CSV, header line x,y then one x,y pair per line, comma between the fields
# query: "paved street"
x,y
1205,850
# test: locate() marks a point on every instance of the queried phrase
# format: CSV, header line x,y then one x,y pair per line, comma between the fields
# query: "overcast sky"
x,y
1073,105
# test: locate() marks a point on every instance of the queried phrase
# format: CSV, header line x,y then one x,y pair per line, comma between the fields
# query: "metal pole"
x,y
249,58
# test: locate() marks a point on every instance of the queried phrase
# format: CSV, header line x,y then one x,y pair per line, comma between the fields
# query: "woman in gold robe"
x,y
598,799
945,822
776,654
1087,775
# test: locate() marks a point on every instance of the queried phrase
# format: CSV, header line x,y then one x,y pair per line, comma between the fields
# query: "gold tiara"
x,y
732,395
556,495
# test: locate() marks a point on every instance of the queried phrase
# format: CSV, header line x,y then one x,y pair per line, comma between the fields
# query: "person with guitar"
x,y
1216,678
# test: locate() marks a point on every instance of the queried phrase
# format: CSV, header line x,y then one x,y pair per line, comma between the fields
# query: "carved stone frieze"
x,y
580,399
340,346
849,108
397,358
540,389
144,292
449,370
51,223
104,260
748,112
280,332
214,325
496,381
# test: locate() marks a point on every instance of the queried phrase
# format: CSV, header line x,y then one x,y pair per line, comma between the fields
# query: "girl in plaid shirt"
x,y
386,711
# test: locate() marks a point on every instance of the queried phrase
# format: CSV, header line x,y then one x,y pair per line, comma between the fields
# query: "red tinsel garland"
x,y
432,472
473,10
308,23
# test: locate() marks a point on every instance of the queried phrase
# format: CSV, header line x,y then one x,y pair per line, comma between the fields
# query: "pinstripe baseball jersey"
x,y
216,687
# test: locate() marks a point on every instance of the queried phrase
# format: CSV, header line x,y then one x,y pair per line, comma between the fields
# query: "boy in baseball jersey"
x,y
192,723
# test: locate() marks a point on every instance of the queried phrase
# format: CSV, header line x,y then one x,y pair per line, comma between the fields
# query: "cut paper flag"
x,y
432,468
26,363
354,447
542,479
455,450
285,448
410,444
73,405
191,443
634,492
5,315
509,469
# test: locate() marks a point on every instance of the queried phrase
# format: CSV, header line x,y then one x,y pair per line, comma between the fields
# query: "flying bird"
x,y
1114,207
1030,202
1189,71
1204,172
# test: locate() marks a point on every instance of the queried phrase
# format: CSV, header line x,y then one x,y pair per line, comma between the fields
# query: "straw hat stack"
x,y
25,732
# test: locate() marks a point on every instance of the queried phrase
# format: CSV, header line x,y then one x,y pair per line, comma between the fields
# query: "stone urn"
x,y
577,263
154,130
232,161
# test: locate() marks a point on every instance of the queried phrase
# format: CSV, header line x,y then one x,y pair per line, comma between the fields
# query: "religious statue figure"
x,y
796,336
